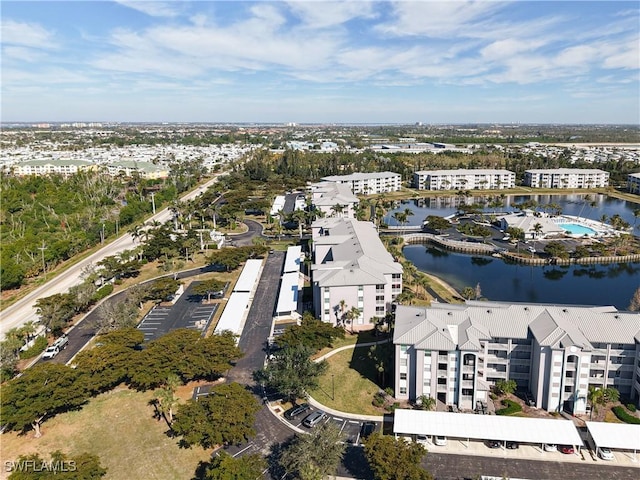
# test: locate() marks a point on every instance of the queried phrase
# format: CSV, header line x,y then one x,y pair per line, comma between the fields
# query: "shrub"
x,y
389,391
510,407
37,348
622,415
631,407
378,399
392,407
103,292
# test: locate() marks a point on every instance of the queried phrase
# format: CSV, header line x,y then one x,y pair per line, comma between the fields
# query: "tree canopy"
x,y
225,467
224,417
292,372
390,458
60,466
311,332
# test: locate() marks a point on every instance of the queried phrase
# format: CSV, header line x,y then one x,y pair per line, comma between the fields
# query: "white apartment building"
x,y
369,183
334,199
566,178
352,269
129,168
455,353
633,182
464,179
48,167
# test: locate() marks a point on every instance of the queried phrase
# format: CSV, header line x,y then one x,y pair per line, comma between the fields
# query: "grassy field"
x,y
120,428
352,374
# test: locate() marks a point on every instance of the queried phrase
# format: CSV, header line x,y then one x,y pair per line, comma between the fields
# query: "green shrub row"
x,y
622,415
631,407
37,348
511,407
103,292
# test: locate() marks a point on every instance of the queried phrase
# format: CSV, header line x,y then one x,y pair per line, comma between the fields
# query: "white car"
x,y
51,352
605,454
440,440
422,440
550,447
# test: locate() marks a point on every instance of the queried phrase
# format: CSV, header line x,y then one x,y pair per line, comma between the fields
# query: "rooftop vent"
x,y
449,313
489,311
565,310
526,309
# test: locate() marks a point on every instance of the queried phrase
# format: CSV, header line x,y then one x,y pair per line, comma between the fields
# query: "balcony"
x,y
468,368
443,358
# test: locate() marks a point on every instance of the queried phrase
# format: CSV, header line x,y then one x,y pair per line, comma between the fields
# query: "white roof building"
x,y
369,183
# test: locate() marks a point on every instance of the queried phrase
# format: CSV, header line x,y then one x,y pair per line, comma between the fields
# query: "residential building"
x,y
633,182
47,167
369,183
129,168
464,179
455,353
566,178
334,199
352,270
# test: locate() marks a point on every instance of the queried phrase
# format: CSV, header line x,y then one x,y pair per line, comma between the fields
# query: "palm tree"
x,y
352,315
337,210
167,397
299,216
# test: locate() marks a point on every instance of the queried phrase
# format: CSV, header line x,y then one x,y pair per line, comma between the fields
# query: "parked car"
x,y
493,444
566,449
422,439
513,445
550,447
296,411
313,419
605,454
440,440
367,429
51,352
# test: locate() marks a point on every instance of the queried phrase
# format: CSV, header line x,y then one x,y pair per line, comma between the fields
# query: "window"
x,y
379,298
403,390
403,376
403,348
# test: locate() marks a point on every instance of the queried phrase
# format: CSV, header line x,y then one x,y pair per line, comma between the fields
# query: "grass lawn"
x,y
353,375
120,428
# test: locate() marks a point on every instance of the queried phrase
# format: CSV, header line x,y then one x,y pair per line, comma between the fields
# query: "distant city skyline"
x,y
356,62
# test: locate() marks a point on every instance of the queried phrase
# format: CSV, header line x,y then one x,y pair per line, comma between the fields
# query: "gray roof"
x,y
332,193
556,326
356,257
57,161
359,176
465,171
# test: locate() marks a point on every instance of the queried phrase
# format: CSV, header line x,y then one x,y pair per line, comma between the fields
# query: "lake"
x,y
576,284
570,204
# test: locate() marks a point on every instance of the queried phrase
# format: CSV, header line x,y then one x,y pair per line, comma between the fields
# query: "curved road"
x,y
23,310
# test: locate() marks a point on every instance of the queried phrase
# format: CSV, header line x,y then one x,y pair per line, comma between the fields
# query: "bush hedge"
x,y
103,292
511,407
622,415
37,348
631,407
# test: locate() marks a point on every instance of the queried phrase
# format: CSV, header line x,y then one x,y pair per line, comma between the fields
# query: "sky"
x,y
321,62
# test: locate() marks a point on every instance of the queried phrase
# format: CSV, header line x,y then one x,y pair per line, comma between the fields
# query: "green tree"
x,y
599,397
42,392
505,387
162,288
292,372
224,417
434,222
426,402
315,456
208,287
634,304
55,311
166,397
468,293
311,332
84,466
392,459
225,467
556,249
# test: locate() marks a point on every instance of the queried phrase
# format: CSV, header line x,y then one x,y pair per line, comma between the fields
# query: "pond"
x,y
591,206
612,284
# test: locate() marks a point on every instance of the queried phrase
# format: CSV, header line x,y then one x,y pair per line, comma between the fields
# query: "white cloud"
x,y
26,35
151,8
328,14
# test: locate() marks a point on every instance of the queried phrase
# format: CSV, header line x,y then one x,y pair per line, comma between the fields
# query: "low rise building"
x,y
369,183
455,353
464,179
566,178
47,167
633,182
352,272
334,199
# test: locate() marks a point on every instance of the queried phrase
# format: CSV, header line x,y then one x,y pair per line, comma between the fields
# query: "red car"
x,y
566,449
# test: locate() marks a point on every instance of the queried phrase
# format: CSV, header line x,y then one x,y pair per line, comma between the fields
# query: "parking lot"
x,y
350,429
187,312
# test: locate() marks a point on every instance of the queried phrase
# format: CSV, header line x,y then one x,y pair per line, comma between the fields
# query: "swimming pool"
x,y
575,229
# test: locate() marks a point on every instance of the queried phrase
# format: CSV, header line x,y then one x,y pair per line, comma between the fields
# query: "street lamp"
x,y
333,388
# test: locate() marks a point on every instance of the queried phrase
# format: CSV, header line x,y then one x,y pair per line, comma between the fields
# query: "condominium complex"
x,y
334,199
369,183
463,179
352,270
48,167
633,182
566,178
455,353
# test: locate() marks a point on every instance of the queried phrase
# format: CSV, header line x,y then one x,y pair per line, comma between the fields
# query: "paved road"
x,y
23,310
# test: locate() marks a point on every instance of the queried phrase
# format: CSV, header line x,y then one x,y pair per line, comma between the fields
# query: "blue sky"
x,y
312,61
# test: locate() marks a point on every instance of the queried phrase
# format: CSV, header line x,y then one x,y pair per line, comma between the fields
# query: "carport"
x,y
486,427
288,298
617,436
234,314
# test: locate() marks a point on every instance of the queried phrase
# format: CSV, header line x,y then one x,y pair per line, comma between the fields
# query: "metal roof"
x,y
292,260
622,436
234,314
249,276
288,296
486,427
